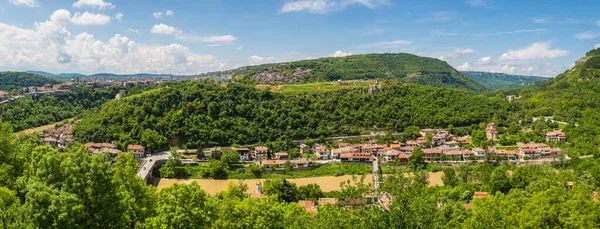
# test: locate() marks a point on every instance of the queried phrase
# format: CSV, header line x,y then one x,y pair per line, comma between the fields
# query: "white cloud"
x,y
63,16
254,60
294,53
49,46
464,67
26,3
119,16
100,4
240,48
87,18
485,60
168,13
538,50
341,54
326,6
596,46
134,30
213,45
164,29
539,20
511,32
464,51
224,38
385,44
456,53
587,35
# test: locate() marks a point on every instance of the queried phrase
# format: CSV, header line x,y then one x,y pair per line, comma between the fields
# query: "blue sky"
x,y
531,37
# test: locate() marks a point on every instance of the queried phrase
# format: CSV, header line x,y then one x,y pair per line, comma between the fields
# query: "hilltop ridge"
x,y
404,67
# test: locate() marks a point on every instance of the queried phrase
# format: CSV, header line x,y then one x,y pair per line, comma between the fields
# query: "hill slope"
x,y
398,66
495,81
18,80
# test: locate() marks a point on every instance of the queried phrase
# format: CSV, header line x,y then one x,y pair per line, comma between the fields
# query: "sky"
x,y
533,37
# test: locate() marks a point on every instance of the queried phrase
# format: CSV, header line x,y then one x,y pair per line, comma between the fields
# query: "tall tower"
x,y
491,132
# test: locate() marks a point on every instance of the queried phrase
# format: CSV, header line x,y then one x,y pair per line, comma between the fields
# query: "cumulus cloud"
x,y
26,3
63,16
596,46
464,67
540,50
169,13
326,6
464,51
50,46
99,4
164,29
385,44
119,16
587,35
598,23
157,15
240,48
254,60
485,60
341,54
134,30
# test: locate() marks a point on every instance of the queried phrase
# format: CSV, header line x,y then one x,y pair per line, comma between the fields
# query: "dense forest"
x,y
41,187
16,81
400,66
28,112
200,113
495,81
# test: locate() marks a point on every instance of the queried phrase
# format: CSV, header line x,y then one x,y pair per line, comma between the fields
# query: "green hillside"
x,y
397,66
494,81
204,114
17,80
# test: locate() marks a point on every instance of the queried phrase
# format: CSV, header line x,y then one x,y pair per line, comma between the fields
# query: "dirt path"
x,y
329,183
41,128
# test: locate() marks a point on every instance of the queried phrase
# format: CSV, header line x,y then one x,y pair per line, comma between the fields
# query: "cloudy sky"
x,y
534,37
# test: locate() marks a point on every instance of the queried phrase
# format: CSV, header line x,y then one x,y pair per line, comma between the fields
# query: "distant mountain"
x,y
394,66
495,81
18,80
99,75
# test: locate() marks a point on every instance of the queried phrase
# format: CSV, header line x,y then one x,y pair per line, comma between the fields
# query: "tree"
x,y
230,157
478,138
152,140
235,191
310,192
499,181
288,167
256,170
416,160
449,178
216,170
169,169
281,189
429,139
464,172
180,206
411,133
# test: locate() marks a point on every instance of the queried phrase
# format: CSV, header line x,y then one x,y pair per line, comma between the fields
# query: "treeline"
x,y
200,114
27,112
41,187
16,81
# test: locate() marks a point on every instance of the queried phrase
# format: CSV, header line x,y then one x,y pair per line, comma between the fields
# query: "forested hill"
x,y
201,114
17,80
496,81
401,66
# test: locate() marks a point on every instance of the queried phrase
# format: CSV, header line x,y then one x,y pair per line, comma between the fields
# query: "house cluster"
x,y
110,148
58,137
261,155
49,89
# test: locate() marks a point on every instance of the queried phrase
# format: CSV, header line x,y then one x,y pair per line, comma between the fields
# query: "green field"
x,y
324,87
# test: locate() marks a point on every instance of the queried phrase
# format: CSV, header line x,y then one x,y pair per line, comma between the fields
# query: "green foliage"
x,y
230,157
416,160
449,178
288,167
202,114
398,66
16,81
281,189
153,140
